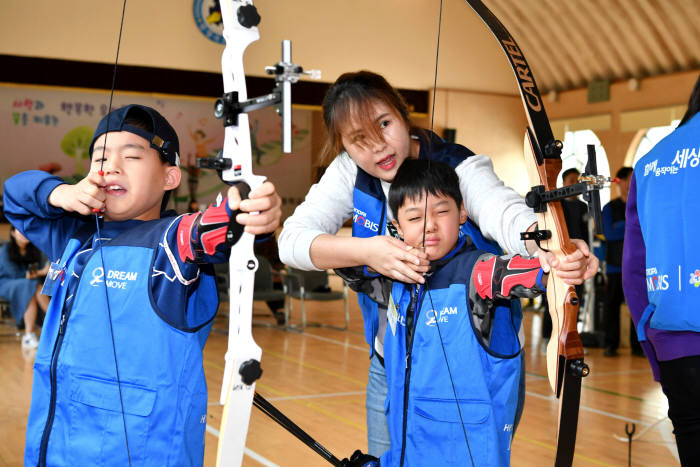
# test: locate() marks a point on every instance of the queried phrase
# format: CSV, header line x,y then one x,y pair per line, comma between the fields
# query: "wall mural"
x,y
51,128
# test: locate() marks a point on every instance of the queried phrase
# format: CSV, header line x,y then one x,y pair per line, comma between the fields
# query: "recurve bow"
x,y
235,166
565,364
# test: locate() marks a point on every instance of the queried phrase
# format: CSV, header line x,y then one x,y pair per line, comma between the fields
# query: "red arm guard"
x,y
200,233
508,277
185,247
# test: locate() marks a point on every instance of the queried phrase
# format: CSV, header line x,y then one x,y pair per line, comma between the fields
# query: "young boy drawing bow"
x,y
451,357
149,277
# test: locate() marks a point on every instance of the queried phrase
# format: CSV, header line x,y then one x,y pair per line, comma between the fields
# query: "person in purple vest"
x,y
118,376
661,271
370,135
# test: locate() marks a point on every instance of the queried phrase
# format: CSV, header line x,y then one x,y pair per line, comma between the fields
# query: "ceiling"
x,y
568,43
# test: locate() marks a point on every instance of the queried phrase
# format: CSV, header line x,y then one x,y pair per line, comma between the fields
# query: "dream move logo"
x,y
115,279
441,317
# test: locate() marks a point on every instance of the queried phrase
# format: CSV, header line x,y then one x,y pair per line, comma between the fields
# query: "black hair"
x,y
32,254
624,172
353,96
416,177
693,104
567,172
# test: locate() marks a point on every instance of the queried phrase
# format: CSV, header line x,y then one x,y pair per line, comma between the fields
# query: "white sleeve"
x,y
327,206
498,210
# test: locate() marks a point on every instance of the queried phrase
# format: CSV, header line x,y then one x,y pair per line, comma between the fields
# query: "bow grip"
x,y
235,230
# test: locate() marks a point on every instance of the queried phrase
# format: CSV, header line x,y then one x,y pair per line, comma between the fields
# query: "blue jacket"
x,y
666,180
76,414
425,425
159,324
613,216
370,218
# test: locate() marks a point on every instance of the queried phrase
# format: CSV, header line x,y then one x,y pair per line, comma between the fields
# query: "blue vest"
x,y
76,415
666,180
370,219
422,413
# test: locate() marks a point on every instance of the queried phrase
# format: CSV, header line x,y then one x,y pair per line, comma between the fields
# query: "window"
x,y
651,137
575,155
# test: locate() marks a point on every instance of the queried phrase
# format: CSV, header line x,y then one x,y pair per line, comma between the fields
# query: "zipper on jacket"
x,y
52,376
65,314
411,320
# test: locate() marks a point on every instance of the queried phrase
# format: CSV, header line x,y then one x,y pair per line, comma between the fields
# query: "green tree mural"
x,y
75,144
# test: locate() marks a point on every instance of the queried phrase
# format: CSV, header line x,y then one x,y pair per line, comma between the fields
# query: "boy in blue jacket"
x,y
118,376
451,356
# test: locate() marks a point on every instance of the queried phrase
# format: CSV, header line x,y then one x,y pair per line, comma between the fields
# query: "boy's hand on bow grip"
x,y
85,197
261,210
575,268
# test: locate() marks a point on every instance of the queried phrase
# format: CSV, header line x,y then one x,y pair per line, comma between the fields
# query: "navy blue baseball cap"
x,y
163,138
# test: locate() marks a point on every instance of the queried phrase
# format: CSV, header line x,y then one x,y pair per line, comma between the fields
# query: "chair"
x,y
7,320
5,317
264,289
313,285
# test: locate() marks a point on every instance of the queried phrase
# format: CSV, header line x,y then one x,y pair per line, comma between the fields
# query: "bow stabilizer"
x,y
274,413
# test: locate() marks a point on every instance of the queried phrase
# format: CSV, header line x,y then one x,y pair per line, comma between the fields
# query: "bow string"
x,y
426,289
98,242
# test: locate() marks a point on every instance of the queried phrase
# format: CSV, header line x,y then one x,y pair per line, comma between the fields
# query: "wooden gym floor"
x,y
317,378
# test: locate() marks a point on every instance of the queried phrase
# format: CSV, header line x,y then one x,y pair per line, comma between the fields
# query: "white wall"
x,y
490,124
396,38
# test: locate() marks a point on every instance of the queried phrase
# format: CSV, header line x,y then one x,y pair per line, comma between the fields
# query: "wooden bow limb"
x,y
565,366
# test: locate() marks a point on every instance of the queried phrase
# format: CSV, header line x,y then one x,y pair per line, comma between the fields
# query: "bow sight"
x,y
589,185
228,106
